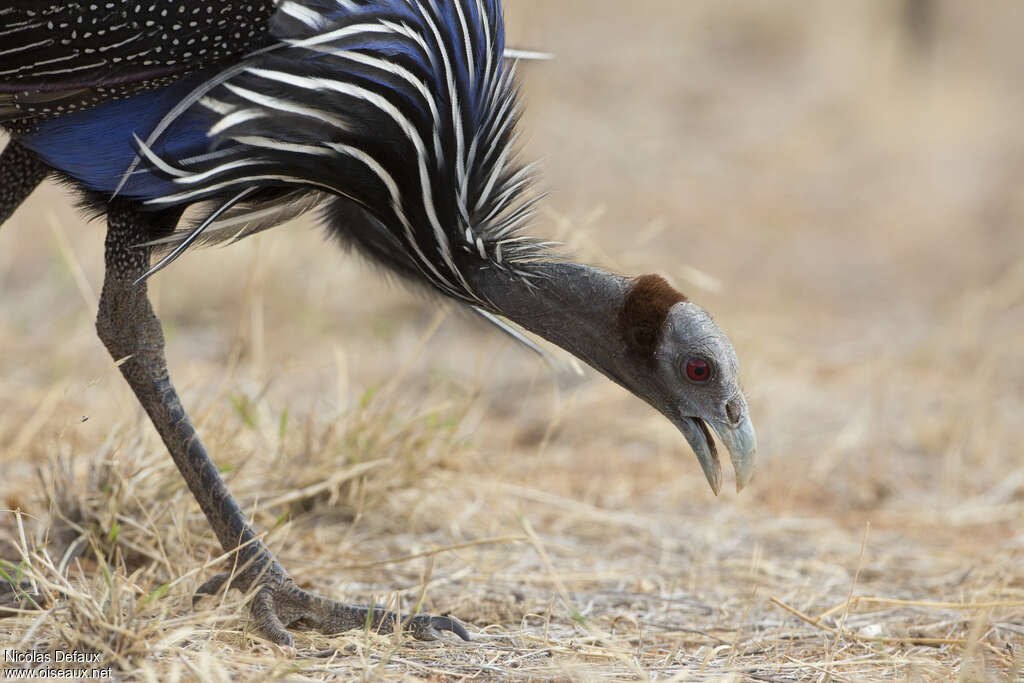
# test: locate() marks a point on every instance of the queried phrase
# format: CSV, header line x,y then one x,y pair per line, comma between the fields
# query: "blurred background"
x,y
840,184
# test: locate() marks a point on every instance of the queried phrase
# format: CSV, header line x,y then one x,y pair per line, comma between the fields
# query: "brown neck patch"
x,y
643,313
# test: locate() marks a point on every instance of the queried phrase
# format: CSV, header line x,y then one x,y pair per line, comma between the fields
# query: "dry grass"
x,y
851,211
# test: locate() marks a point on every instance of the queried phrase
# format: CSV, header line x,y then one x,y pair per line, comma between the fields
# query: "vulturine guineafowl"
x,y
394,119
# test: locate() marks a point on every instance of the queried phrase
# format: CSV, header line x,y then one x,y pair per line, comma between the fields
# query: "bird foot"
x,y
280,604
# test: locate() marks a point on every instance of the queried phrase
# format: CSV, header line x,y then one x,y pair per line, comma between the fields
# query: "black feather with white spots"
x,y
56,58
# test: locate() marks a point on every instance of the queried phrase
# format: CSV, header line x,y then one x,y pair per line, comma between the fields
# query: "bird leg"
x,y
20,172
132,334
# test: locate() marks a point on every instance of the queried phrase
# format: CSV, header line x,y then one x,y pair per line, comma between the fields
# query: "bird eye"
x,y
697,370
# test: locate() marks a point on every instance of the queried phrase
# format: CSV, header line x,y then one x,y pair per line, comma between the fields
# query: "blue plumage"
x,y
95,146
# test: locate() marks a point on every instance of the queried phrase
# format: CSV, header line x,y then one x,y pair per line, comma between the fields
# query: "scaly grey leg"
x,y
20,172
130,330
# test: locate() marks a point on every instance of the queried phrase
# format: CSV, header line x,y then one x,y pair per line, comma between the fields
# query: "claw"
x,y
426,627
450,624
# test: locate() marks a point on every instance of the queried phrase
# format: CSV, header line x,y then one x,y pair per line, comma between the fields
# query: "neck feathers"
x,y
643,313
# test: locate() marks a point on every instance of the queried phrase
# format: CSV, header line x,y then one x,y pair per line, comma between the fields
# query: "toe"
x,y
427,627
211,586
268,624
449,624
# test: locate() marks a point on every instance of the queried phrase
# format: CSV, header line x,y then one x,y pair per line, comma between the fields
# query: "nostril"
x,y
734,409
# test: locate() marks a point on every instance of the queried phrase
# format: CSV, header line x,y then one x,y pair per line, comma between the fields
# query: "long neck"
x,y
574,306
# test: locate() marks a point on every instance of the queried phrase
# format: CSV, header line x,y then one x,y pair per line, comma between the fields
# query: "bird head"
x,y
679,361
645,336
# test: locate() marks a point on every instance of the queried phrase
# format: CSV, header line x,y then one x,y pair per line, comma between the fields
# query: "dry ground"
x,y
843,192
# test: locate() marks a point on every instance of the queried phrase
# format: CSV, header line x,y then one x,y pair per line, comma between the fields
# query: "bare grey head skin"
x,y
692,344
645,336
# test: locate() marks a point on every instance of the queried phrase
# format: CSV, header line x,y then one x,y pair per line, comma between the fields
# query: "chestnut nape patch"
x,y
644,311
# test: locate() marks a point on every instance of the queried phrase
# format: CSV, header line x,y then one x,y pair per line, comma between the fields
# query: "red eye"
x,y
698,370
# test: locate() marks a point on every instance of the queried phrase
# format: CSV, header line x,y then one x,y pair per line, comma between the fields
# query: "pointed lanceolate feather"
x,y
404,109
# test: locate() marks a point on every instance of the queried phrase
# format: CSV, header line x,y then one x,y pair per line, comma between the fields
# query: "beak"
x,y
699,438
740,440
